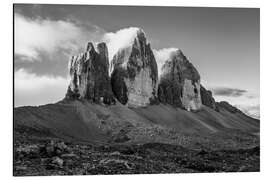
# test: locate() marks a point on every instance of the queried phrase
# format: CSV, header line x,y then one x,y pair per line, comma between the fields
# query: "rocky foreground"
x,y
54,157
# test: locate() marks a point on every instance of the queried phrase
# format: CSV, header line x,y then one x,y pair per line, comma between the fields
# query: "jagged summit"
x,y
90,46
134,73
136,37
134,79
121,39
89,76
177,53
179,82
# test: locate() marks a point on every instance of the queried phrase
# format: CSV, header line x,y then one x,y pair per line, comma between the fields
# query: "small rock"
x,y
49,149
58,161
202,152
62,146
21,168
113,162
71,155
115,153
241,168
28,149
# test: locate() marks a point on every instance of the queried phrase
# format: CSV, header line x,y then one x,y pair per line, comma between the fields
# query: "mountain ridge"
x,y
134,104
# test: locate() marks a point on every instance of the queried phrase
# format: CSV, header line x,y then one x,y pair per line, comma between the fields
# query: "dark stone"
x,y
118,85
225,105
208,99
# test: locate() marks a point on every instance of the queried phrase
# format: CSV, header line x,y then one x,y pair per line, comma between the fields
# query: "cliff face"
x,y
207,98
89,75
134,73
179,83
134,77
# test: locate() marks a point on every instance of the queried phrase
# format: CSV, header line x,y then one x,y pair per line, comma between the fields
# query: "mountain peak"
x,y
89,76
122,39
179,82
140,32
90,46
134,72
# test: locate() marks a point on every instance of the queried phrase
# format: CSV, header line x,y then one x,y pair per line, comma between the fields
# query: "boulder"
x,y
179,83
89,75
134,73
57,161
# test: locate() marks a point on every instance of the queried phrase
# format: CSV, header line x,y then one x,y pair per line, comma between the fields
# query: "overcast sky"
x,y
222,43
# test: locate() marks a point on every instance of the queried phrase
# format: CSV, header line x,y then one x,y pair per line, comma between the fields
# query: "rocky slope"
x,y
115,139
134,73
88,122
59,158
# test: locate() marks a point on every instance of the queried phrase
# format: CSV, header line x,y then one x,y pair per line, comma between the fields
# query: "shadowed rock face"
x,y
134,73
208,99
225,105
89,75
179,83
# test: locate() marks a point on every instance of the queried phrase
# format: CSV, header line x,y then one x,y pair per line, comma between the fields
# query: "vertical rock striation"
x,y
134,73
179,83
89,76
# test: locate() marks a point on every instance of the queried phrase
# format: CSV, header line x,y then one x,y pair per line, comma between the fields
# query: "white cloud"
x,y
252,110
32,89
249,103
162,55
35,35
120,39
